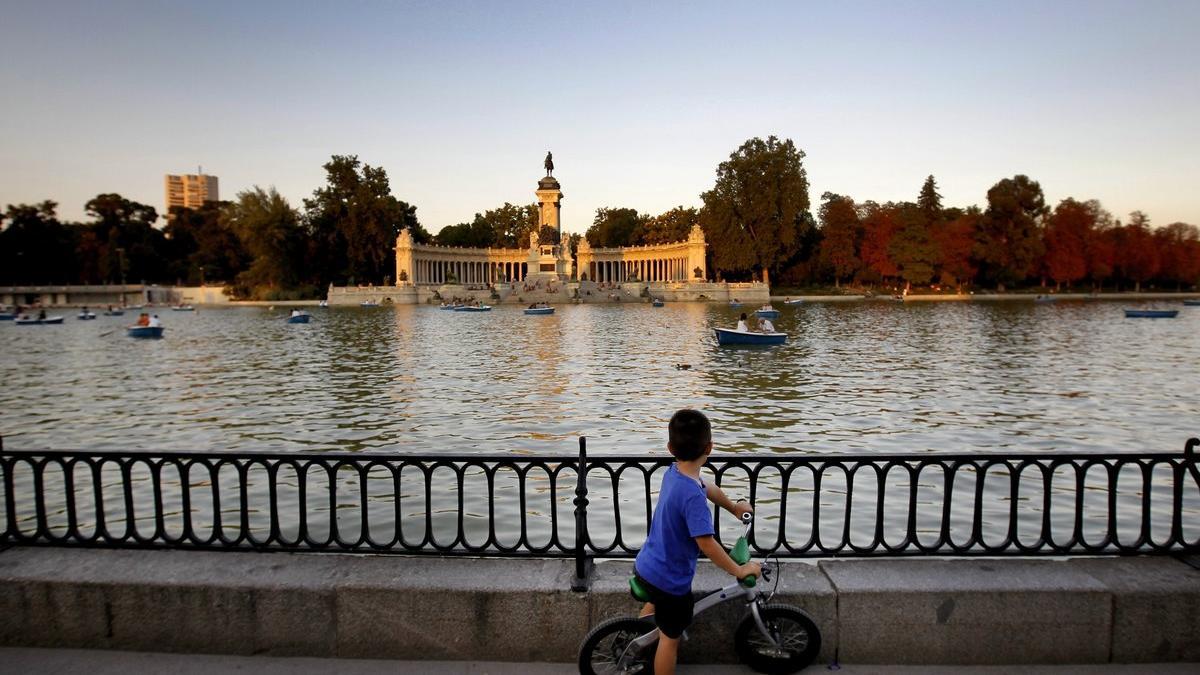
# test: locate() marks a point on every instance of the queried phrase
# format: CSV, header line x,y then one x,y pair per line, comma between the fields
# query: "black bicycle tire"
x,y
603,629
773,665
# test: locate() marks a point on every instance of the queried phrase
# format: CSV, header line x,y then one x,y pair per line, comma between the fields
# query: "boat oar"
x,y
108,332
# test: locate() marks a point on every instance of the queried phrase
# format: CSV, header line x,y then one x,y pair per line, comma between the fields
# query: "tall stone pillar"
x,y
405,268
695,255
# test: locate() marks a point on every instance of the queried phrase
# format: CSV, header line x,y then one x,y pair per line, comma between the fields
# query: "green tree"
x,y
671,226
930,202
203,249
914,249
123,233
616,227
754,214
840,229
353,222
35,248
1009,242
510,224
474,234
269,230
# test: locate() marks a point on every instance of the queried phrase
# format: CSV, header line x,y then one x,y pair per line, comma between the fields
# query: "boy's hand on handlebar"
x,y
741,508
749,569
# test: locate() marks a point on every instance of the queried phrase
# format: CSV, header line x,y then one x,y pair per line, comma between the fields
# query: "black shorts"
x,y
672,613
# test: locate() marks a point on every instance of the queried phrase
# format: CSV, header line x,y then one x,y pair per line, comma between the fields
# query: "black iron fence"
x,y
583,507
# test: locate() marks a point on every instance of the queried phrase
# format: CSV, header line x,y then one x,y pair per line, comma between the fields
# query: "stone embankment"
x,y
968,297
1013,611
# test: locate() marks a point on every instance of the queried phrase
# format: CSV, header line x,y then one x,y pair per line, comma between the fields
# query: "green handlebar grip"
x,y
740,552
749,581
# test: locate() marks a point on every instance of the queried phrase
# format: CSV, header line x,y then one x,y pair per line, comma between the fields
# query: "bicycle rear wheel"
x,y
606,650
796,643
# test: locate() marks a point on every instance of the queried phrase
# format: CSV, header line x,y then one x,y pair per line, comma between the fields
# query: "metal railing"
x,y
583,507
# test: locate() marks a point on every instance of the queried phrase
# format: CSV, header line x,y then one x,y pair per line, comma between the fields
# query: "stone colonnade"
x,y
676,261
437,265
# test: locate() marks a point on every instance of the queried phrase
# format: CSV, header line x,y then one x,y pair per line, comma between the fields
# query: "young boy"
x,y
681,528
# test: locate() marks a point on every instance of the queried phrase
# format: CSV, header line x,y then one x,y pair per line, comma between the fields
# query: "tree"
x,y
1009,243
839,227
754,214
123,234
930,202
614,227
955,240
1179,252
1067,232
475,234
510,225
671,226
202,248
353,222
913,248
35,248
879,228
1137,255
1100,248
269,229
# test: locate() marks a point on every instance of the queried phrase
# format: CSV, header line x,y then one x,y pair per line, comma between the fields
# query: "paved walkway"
x,y
104,662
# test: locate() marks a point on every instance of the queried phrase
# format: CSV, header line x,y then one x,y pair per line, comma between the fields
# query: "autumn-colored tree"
x,y
1067,232
879,228
1009,242
1137,254
755,213
1100,247
1179,253
840,233
955,240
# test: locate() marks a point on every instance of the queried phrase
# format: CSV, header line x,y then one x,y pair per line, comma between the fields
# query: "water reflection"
x,y
861,377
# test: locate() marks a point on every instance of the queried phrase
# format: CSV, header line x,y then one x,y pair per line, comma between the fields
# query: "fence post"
x,y
583,562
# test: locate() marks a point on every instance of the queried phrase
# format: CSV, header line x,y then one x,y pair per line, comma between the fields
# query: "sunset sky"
x,y
639,101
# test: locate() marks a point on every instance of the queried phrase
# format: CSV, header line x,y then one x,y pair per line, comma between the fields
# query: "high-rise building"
x,y
190,190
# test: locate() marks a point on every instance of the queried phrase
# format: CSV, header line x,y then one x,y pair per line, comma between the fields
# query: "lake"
x,y
863,377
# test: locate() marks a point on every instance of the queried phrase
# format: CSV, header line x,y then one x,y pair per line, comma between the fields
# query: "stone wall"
x,y
1126,610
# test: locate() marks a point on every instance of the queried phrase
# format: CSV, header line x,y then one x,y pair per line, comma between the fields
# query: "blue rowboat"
x,y
115,312
449,307
767,313
726,336
539,311
1044,298
183,308
5,316
299,318
465,308
31,321
793,302
1191,303
86,316
368,303
657,303
145,331
735,304
1151,313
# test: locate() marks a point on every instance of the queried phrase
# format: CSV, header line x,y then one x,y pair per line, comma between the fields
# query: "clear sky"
x,y
639,101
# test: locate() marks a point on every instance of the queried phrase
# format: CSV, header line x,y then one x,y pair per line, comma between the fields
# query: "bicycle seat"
x,y
638,590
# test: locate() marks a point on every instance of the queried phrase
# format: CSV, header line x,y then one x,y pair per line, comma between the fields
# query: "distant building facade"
x,y
190,190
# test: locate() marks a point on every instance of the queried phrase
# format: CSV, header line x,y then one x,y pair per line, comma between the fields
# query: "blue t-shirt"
x,y
668,558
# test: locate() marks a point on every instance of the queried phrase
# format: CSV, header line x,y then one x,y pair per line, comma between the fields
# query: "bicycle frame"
x,y
734,591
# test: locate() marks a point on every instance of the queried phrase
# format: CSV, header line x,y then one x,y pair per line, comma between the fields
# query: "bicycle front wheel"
x,y
795,640
607,650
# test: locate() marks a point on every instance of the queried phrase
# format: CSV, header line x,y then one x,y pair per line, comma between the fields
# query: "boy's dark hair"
x,y
690,434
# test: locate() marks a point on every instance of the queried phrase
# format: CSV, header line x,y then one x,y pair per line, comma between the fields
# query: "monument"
x,y
549,261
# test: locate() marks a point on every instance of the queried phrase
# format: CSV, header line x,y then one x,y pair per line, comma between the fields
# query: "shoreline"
x,y
1027,297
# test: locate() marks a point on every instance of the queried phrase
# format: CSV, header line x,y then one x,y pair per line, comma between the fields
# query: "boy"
x,y
680,529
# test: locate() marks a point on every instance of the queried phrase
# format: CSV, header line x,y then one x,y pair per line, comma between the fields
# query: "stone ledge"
x,y
869,611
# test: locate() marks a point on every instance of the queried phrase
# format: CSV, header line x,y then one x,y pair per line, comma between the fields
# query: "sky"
x,y
639,101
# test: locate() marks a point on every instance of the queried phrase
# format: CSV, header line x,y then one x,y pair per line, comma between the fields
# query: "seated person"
x,y
741,327
765,325
143,319
154,322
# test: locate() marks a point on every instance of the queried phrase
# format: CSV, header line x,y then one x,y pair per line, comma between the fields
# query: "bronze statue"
x,y
549,163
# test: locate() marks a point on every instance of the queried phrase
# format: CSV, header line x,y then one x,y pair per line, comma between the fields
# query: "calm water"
x,y
856,377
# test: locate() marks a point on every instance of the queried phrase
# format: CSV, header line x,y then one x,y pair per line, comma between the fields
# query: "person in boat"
x,y
765,325
295,312
767,306
42,314
154,322
143,319
741,326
